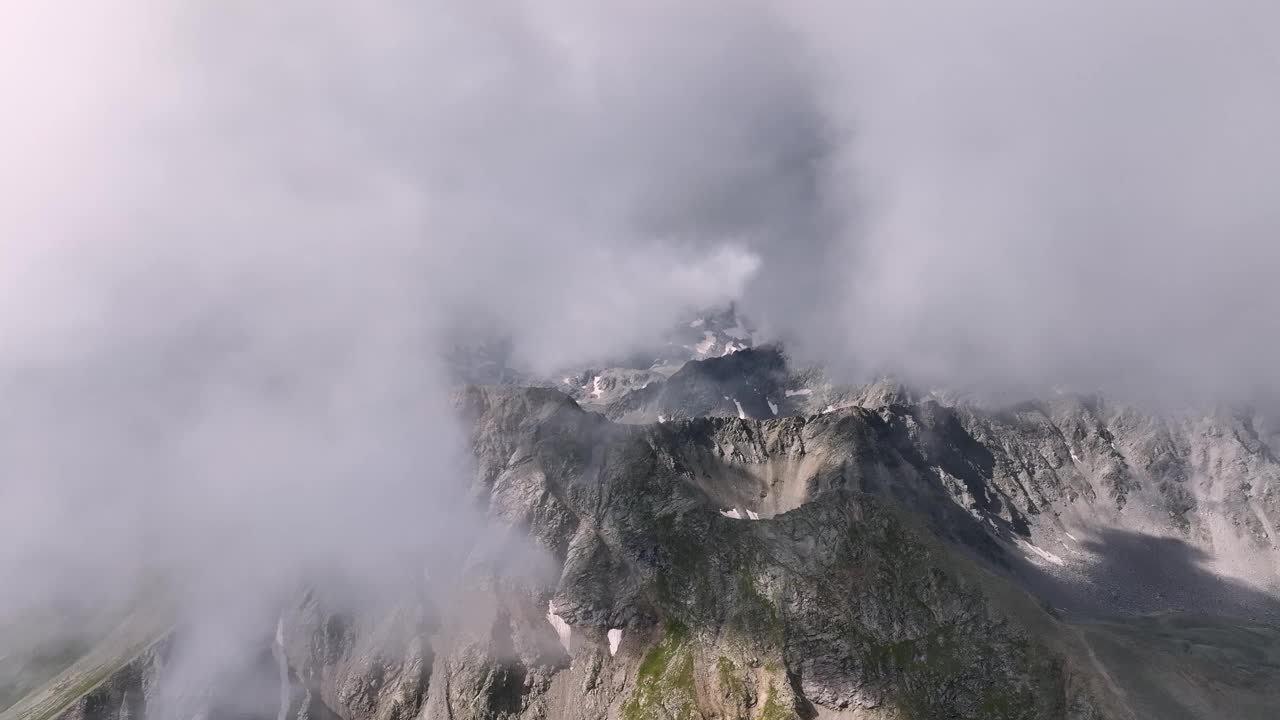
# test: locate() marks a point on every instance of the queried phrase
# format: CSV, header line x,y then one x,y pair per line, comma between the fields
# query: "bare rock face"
x,y
830,600
899,557
743,384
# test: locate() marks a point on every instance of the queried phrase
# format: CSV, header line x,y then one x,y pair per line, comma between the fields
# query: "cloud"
x,y
240,233
1060,192
236,235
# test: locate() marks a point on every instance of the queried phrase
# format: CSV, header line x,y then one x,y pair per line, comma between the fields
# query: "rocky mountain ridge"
x,y
734,538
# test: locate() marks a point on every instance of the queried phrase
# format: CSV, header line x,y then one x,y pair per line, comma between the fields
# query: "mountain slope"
x,y
895,558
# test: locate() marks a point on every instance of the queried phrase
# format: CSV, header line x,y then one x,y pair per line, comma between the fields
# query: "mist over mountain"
x,y
355,359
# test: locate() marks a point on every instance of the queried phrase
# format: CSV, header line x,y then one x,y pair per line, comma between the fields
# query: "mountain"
x,y
735,538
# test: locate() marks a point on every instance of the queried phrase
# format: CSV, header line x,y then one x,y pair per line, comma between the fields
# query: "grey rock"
x,y
904,555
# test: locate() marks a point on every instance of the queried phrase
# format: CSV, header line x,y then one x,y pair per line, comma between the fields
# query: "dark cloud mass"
x,y
235,234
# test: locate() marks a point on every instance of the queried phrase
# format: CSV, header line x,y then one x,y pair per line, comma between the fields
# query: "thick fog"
x,y
1062,192
235,236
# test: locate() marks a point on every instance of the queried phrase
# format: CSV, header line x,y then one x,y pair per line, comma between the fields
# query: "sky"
x,y
235,235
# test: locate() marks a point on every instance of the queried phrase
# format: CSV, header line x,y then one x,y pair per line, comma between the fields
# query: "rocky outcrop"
x,y
870,562
125,694
837,604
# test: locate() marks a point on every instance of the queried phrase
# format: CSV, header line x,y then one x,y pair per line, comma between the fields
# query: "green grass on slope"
x,y
39,642
664,683
134,635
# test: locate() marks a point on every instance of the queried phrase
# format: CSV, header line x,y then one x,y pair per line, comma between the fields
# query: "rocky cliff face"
x,y
669,606
894,557
1074,482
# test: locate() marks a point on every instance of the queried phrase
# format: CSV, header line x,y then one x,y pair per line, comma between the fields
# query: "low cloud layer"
x,y
974,192
235,235
1053,193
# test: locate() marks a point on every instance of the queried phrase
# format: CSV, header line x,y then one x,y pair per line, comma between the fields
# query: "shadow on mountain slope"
x,y
1179,666
1137,573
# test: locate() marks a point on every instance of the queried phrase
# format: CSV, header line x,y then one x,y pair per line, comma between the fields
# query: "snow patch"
x,y
804,391
615,639
732,514
752,516
596,390
772,407
1044,554
1074,458
741,414
662,418
560,626
1073,537
708,342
